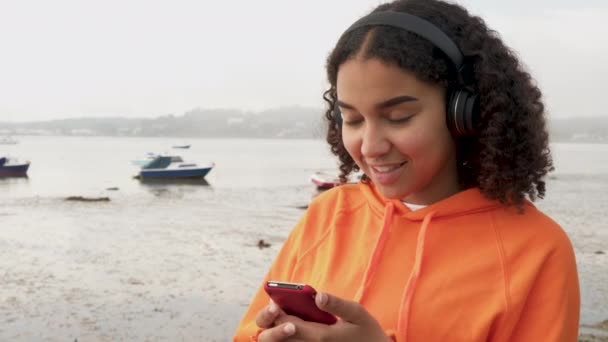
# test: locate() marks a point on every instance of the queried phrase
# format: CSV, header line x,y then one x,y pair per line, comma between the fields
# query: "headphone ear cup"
x,y
471,114
450,111
462,112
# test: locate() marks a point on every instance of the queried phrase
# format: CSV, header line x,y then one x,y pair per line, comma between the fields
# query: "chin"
x,y
391,192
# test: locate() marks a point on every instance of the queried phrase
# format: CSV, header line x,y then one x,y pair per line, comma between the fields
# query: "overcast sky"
x,y
144,58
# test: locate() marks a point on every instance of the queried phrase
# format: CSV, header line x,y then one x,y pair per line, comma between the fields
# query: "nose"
x,y
374,142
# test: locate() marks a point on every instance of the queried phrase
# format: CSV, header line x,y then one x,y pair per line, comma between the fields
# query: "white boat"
x,y
150,156
182,146
173,167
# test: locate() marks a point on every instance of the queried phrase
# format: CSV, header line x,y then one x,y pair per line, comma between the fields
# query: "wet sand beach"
x,y
180,262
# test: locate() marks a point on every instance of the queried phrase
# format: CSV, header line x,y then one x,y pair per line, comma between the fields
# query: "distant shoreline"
x,y
176,137
278,123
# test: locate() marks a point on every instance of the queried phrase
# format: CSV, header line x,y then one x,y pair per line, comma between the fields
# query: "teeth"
x,y
384,169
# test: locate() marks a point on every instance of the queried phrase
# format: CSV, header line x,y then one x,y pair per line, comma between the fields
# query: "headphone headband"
x,y
415,25
462,107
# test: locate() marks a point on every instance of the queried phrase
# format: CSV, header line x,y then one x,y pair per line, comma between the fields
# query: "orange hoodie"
x,y
463,269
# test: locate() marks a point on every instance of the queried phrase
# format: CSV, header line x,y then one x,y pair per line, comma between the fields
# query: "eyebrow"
x,y
384,104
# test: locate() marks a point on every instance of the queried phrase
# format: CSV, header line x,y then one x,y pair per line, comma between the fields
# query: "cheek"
x,y
353,145
428,152
428,140
412,145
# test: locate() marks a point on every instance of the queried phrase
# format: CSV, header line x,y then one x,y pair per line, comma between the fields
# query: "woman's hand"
x,y
355,324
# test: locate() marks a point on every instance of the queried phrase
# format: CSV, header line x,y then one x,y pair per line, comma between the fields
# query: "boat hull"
x,y
175,173
323,181
17,170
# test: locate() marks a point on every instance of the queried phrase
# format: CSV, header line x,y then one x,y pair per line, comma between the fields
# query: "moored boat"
x,y
10,167
324,181
8,141
173,167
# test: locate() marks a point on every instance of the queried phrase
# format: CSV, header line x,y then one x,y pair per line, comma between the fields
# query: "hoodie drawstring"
x,y
408,294
373,263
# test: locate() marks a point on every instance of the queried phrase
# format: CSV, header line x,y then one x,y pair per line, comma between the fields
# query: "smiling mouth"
x,y
387,169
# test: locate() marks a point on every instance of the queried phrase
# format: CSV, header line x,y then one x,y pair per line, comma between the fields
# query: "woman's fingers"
x,y
266,317
278,334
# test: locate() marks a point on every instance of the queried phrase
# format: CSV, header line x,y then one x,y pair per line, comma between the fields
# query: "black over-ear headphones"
x,y
462,106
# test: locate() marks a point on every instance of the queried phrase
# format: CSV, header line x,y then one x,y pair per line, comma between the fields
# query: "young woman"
x,y
439,241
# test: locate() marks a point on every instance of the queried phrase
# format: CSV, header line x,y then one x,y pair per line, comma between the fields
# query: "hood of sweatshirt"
x,y
462,203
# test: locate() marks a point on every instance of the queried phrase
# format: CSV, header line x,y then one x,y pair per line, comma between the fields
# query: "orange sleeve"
x,y
551,311
281,270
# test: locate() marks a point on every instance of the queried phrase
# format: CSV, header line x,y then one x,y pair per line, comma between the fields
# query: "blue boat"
x,y
11,168
172,167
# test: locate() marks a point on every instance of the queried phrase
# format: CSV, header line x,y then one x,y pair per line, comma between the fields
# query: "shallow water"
x,y
179,261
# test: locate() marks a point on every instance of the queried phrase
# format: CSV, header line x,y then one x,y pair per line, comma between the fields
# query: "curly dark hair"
x,y
508,157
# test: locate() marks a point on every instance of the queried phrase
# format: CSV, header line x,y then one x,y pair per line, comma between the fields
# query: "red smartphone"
x,y
298,300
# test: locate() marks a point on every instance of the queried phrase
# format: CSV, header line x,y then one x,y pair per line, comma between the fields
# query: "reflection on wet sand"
x,y
174,187
174,181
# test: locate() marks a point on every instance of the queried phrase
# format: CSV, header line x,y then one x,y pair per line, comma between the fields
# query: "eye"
x,y
353,122
350,119
400,119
